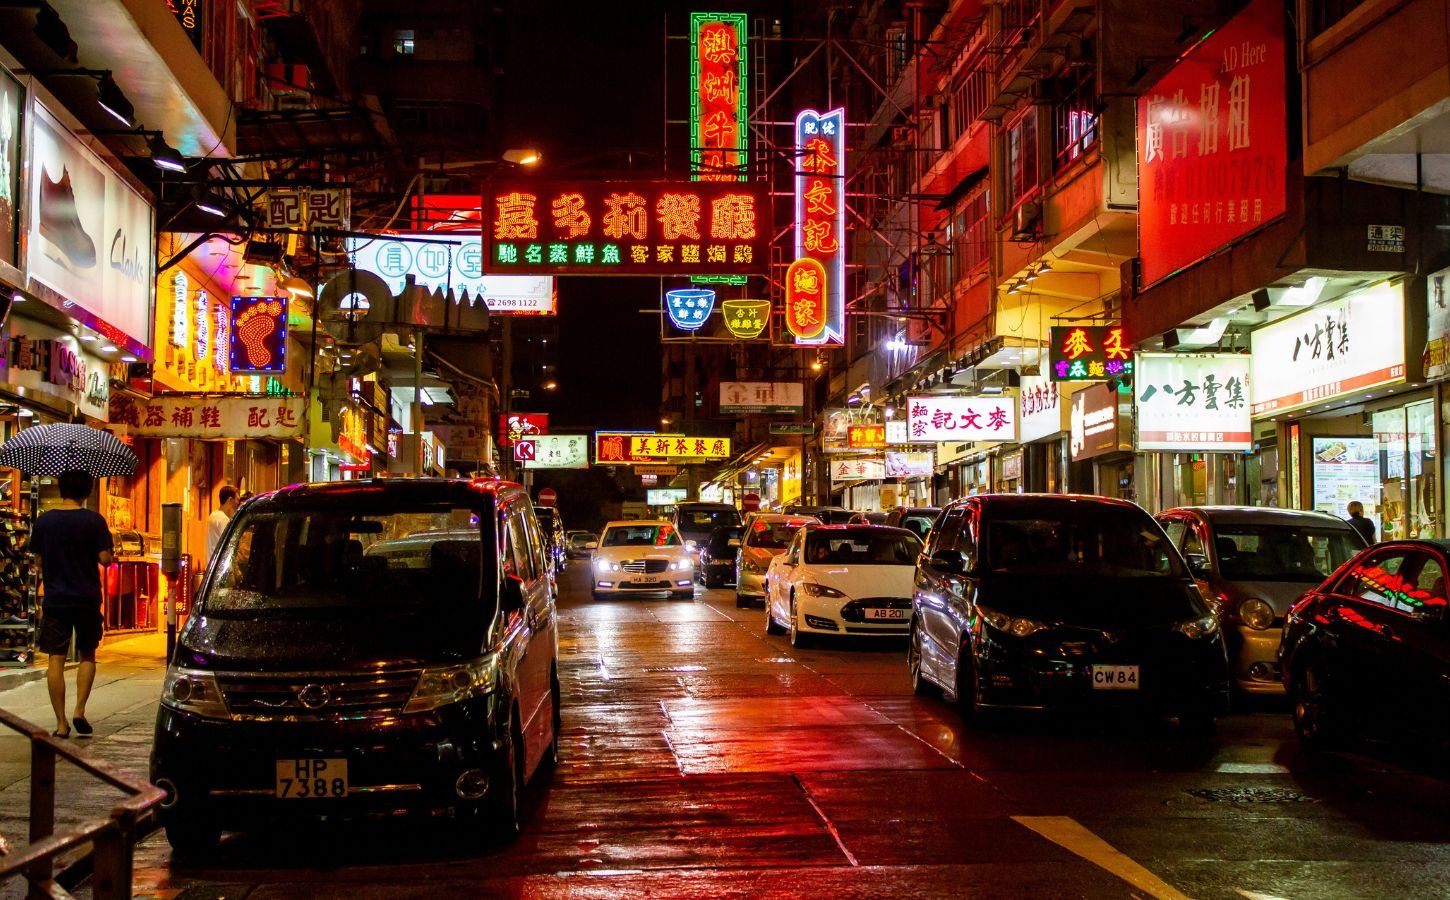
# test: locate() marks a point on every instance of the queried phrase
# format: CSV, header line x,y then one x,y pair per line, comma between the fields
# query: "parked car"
x,y
1366,652
827,515
342,637
719,555
916,519
1060,601
580,544
766,537
1252,564
696,521
642,556
553,527
842,580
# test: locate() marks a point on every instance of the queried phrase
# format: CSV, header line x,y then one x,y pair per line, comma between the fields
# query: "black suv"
x,y
363,647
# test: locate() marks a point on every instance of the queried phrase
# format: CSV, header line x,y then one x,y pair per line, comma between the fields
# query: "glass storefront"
x,y
1407,451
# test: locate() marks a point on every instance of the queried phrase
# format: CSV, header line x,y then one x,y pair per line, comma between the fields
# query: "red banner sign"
x,y
1212,146
628,228
521,425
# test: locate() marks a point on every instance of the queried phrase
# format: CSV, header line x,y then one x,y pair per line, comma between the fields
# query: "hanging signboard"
x,y
628,228
615,447
173,415
557,451
688,308
768,397
1336,347
858,468
1189,402
909,464
456,267
816,281
520,425
258,335
1088,353
835,430
866,437
718,90
943,419
661,446
1212,145
1094,426
799,428
897,432
1043,412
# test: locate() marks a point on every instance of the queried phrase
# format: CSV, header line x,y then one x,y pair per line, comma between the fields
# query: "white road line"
x,y
826,821
1072,836
1243,768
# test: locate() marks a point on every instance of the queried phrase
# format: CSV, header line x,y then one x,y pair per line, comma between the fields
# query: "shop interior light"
x,y
1031,275
88,338
128,358
109,348
1014,288
24,413
299,287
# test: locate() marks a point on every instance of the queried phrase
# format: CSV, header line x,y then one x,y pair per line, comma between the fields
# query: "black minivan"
x,y
363,647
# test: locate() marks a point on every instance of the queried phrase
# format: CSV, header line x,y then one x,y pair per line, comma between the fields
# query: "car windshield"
x,y
772,534
1269,552
697,520
1080,540
641,536
724,539
861,547
919,523
834,516
580,538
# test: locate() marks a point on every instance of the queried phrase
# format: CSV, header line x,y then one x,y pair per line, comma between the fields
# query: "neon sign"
x,y
628,228
746,319
820,234
1088,353
718,88
258,335
221,340
805,299
200,314
689,307
179,309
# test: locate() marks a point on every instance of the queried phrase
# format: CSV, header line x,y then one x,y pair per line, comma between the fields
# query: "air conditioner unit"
x,y
1027,222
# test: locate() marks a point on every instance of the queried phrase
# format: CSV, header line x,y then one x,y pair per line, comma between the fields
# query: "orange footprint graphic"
x,y
253,333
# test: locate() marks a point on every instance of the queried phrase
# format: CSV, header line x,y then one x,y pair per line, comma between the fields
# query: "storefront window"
x,y
1407,465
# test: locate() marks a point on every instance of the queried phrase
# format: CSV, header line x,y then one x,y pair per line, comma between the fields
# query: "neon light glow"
x,y
1088,353
746,319
719,86
180,309
259,335
820,216
689,308
221,341
200,314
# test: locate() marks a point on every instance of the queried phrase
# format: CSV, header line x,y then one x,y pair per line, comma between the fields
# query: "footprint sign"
x,y
258,335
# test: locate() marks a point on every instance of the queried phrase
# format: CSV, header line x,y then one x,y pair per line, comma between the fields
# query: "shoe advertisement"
x,y
12,100
90,233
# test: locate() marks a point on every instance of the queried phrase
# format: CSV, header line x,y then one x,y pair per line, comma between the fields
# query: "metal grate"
x,y
644,566
329,695
1251,795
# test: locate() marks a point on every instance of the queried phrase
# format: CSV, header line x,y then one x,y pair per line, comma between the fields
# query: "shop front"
x,y
1045,421
1099,444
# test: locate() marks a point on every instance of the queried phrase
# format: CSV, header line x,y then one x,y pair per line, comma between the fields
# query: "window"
x,y
1074,116
970,233
520,550
1174,529
1192,542
1021,158
1281,553
1373,579
403,42
970,95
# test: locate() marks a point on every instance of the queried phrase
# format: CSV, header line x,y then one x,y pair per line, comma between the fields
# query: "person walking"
x,y
73,543
216,523
1359,523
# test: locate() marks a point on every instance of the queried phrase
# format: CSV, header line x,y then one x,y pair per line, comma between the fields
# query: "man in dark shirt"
x,y
73,543
1358,522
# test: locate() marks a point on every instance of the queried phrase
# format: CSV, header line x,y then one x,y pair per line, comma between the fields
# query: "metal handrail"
x,y
111,839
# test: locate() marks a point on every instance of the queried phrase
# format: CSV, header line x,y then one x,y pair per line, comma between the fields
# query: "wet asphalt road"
x,y
703,758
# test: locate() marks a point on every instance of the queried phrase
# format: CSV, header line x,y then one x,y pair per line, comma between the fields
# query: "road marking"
x,y
1241,768
1255,895
1072,836
826,821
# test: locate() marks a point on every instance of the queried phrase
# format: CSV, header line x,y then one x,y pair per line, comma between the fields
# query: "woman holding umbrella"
x,y
73,543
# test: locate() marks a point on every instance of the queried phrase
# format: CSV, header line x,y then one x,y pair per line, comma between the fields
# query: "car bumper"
x,y
749,584
722,572
225,771
646,584
1256,662
834,615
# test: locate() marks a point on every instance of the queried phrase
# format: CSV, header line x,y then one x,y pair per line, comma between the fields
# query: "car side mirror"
x,y
592,545
511,596
1198,565
951,562
1428,613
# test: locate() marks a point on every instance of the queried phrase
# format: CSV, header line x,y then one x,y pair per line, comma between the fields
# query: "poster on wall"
x,y
1345,469
1189,402
1437,335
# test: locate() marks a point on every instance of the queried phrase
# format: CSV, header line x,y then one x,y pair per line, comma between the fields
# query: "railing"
x,y
112,840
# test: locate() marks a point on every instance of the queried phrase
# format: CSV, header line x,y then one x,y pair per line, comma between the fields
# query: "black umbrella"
x,y
53,449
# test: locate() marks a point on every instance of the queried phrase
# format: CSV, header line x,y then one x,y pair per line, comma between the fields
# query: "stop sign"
x,y
751,502
548,496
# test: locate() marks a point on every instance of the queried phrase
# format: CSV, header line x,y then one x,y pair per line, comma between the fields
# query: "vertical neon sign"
x,y
719,118
221,340
259,336
201,326
820,223
180,285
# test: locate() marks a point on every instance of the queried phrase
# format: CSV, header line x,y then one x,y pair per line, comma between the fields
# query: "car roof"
x,y
705,504
423,490
1249,515
1010,500
908,510
1441,544
889,529
631,523
779,517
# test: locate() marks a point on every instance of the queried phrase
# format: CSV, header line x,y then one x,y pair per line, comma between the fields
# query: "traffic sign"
x,y
750,502
548,497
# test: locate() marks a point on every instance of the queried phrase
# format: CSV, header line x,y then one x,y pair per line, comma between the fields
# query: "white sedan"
x,y
642,556
842,580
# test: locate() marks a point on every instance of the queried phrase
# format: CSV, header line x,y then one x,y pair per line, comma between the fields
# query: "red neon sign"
x,y
805,298
1088,353
717,96
820,214
258,334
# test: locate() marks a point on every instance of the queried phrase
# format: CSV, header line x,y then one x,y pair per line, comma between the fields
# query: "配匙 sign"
x,y
948,419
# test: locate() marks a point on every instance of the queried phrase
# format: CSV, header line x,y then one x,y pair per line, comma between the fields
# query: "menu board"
x,y
1345,469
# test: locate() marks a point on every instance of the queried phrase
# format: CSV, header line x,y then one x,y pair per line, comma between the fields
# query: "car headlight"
x,y
601,565
820,590
189,690
1256,614
751,565
442,685
680,565
1196,629
690,546
1013,625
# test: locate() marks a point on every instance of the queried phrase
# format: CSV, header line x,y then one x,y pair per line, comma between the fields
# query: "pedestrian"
x,y
216,523
73,543
1359,523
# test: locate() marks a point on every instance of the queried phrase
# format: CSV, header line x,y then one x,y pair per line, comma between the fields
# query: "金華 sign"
x,y
866,437
258,335
767,397
628,228
955,419
1189,402
1088,353
858,468
718,92
815,311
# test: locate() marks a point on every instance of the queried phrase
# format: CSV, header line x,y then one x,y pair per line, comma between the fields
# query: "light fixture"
x,y
1031,275
1014,288
108,348
816,364
128,358
17,297
522,156
24,413
1044,267
88,338
113,101
550,385
300,288
52,33
164,155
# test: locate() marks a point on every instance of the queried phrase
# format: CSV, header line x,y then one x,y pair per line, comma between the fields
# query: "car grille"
x,y
326,696
644,566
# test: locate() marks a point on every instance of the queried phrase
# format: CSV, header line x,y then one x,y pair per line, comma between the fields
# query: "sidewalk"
x,y
130,648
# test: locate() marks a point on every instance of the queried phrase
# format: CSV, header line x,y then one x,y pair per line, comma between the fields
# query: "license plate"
x,y
895,615
644,582
311,779
1115,678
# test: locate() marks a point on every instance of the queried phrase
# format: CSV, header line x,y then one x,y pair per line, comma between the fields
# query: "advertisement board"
x,y
815,311
1212,143
836,430
587,227
1093,428
942,419
554,451
1189,402
1336,347
909,464
1437,334
897,432
457,267
866,437
519,425
91,239
1345,469
1042,408
661,446
665,496
12,122
612,447
858,468
174,415
768,397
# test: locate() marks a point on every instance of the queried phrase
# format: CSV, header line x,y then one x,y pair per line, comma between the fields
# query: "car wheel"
x,y
741,601
771,626
969,700
798,639
920,686
1315,719
192,836
551,755
503,819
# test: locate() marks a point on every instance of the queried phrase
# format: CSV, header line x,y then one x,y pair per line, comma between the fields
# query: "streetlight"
x,y
522,156
550,385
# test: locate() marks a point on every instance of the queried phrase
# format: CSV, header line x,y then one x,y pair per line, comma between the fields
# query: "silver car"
x,y
766,537
1252,564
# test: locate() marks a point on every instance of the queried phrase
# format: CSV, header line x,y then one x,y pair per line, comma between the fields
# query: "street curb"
x,y
10,682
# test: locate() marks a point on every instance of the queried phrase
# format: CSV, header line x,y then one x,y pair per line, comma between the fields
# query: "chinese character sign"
x,y
746,319
1041,403
559,451
172,415
956,419
258,334
768,397
1088,353
1212,145
718,90
689,307
645,447
1190,402
820,229
866,437
612,447
456,268
628,228
858,468
897,431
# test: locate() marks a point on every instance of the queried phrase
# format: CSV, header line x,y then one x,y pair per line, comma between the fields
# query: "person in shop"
x,y
1358,522
73,543
216,523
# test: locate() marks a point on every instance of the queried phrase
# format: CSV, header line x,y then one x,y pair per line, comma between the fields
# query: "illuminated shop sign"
x,y
1192,402
221,338
1094,427
816,307
1212,146
661,446
451,267
689,307
858,468
258,335
553,451
746,319
616,446
172,415
866,437
201,325
910,464
628,228
718,91
1088,353
521,425
953,419
665,496
180,309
